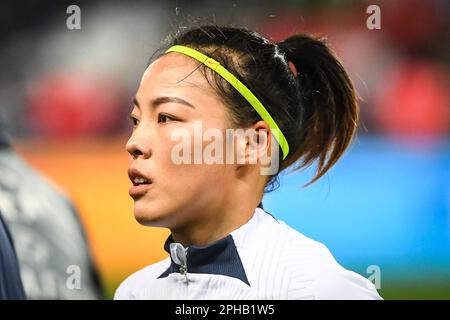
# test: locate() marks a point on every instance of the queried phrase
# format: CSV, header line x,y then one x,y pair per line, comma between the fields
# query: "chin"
x,y
147,221
149,217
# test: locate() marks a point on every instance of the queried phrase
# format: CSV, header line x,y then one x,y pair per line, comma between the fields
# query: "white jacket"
x,y
262,259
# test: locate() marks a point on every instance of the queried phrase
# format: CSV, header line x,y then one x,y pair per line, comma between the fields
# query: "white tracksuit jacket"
x,y
262,259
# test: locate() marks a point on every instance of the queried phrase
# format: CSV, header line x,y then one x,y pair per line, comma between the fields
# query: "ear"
x,y
255,146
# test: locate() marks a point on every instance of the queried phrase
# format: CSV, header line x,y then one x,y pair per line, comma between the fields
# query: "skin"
x,y
199,203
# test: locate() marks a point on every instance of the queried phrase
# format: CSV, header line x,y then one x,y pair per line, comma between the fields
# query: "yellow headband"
x,y
241,88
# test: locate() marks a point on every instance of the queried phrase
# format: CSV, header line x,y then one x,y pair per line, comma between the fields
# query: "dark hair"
x,y
316,109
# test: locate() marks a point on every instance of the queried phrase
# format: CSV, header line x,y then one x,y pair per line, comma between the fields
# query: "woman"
x,y
297,105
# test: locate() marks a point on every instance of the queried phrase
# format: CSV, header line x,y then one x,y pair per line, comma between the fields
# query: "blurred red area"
x,y
413,100
71,105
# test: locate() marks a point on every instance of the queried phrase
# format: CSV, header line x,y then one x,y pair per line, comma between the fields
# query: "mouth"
x,y
141,183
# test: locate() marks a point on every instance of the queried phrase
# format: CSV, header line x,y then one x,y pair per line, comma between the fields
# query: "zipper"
x,y
179,255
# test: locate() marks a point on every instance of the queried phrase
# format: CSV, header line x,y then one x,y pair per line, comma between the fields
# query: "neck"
x,y
215,227
217,222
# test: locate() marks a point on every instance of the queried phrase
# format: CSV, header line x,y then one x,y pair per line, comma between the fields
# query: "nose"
x,y
138,144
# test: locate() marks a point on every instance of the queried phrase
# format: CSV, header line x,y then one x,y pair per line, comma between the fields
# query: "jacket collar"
x,y
220,257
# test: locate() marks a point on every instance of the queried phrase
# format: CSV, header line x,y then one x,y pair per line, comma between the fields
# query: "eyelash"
x,y
135,121
165,115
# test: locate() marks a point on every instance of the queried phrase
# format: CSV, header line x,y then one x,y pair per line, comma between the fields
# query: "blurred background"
x,y
65,97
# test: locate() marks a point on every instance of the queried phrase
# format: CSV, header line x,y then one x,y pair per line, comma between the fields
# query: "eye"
x,y
134,120
165,118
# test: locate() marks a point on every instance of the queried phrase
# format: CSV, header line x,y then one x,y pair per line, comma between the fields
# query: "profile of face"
x,y
172,97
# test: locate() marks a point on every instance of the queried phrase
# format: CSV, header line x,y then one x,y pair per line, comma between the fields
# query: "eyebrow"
x,y
161,100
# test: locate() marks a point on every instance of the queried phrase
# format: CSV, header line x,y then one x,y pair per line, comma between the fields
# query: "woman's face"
x,y
170,98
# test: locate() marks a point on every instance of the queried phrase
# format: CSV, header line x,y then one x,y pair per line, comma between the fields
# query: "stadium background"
x,y
65,96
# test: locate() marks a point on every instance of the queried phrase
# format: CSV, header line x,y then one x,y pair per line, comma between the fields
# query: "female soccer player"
x,y
297,105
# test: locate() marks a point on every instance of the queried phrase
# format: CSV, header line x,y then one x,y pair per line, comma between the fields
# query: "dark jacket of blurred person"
x,y
10,283
52,249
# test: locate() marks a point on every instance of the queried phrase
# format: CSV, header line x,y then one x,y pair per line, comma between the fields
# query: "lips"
x,y
141,183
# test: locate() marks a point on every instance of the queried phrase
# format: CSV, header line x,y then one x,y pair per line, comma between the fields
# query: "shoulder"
x,y
342,284
140,279
316,274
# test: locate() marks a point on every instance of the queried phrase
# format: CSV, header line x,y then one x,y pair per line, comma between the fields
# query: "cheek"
x,y
191,178
203,184
196,181
186,179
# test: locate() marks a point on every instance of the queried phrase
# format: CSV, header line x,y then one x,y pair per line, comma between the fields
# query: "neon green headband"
x,y
241,88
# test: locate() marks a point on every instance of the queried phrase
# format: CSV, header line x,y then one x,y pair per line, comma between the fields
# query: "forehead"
x,y
175,70
177,75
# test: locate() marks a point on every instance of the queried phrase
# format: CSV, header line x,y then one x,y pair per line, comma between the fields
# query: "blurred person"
x,y
294,95
53,253
10,281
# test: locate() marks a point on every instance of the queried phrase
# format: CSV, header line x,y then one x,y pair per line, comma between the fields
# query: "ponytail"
x,y
329,108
